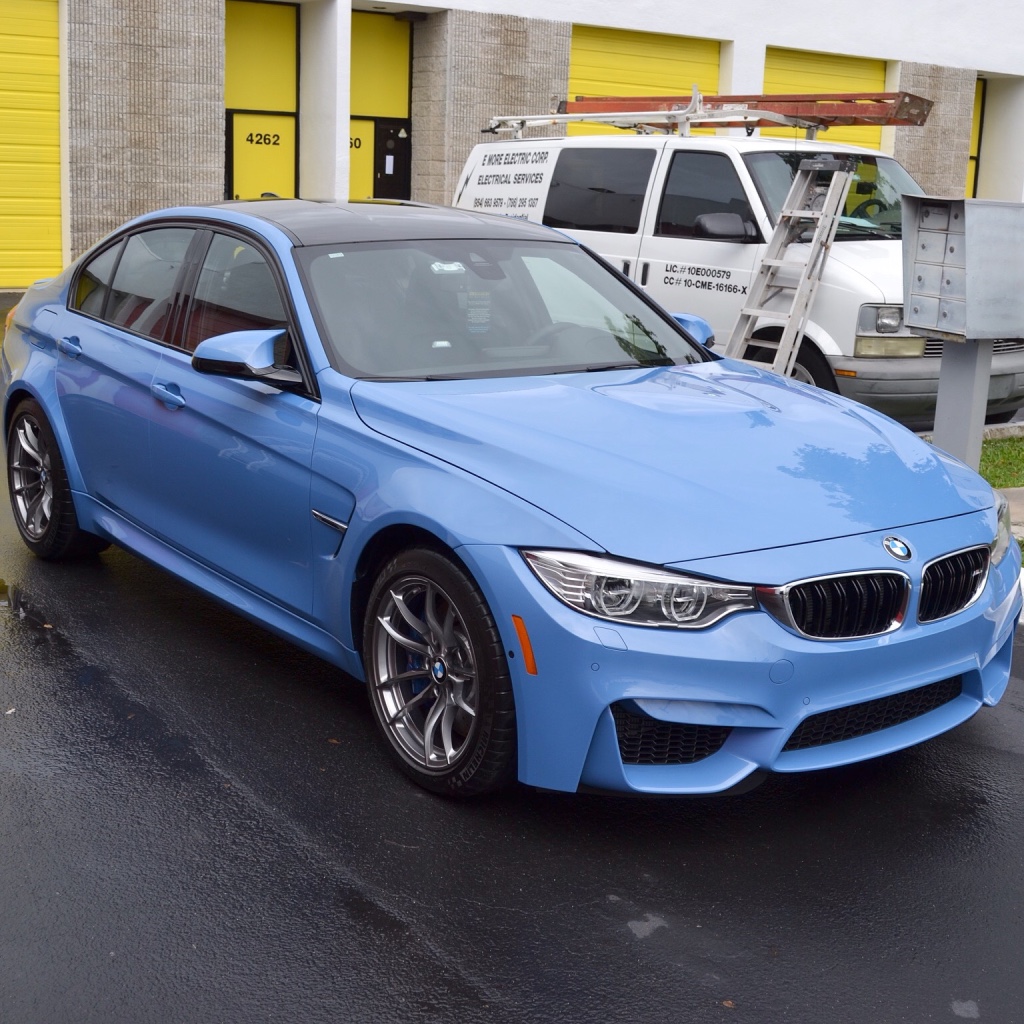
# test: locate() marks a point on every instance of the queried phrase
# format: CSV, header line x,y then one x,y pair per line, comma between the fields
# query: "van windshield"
x,y
873,208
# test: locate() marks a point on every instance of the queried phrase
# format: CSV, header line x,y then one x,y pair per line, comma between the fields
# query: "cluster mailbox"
x,y
962,268
962,282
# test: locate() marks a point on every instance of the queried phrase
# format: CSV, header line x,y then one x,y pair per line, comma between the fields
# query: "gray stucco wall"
x,y
145,109
468,67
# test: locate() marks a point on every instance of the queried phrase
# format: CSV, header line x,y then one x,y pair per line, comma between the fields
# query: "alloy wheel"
x,y
426,683
31,478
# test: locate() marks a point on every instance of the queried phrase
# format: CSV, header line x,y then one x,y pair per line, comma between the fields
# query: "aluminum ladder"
x,y
810,203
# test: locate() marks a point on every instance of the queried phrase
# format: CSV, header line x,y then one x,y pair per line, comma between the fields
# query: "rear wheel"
x,y
438,681
40,494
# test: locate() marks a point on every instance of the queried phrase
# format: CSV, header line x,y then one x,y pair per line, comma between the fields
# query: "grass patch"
x,y
1002,462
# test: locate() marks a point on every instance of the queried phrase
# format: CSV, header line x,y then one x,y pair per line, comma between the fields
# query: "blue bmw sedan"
x,y
465,461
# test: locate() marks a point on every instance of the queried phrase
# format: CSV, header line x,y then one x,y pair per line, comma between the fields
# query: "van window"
x,y
700,183
599,189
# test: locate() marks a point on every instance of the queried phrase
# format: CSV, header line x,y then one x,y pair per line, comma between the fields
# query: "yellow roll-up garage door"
x,y
30,204
261,88
800,71
612,62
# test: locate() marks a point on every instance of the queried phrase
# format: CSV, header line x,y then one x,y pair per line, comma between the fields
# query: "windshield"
x,y
873,208
431,309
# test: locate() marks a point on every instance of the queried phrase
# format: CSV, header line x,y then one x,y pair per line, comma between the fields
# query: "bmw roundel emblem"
x,y
897,548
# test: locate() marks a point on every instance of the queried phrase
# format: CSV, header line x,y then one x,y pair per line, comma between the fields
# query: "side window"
x,y
236,291
700,183
599,189
142,292
93,285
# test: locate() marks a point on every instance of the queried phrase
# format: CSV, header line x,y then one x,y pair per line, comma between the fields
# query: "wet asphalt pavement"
x,y
197,825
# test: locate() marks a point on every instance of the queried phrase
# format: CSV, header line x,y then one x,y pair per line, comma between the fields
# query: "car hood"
x,y
679,463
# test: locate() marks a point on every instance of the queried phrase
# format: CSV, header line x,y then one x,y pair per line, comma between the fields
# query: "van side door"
x,y
701,241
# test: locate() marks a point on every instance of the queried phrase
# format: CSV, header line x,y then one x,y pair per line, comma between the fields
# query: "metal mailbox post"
x,y
963,282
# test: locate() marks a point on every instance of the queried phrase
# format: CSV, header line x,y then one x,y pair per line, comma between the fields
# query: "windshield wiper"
x,y
597,367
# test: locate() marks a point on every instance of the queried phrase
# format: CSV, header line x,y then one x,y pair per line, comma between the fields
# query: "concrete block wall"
x,y
468,67
145,109
936,153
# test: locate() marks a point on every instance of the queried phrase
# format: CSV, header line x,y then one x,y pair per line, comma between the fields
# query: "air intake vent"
x,y
646,740
873,715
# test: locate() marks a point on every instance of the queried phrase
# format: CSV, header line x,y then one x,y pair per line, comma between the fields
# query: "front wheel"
x,y
40,493
811,366
438,681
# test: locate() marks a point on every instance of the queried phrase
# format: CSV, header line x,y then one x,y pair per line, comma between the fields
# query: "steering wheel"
x,y
862,209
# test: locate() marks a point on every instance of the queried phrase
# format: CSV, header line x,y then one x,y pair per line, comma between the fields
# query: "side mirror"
x,y
247,355
697,327
724,227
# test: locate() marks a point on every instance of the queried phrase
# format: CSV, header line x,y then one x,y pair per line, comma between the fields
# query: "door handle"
x,y
70,346
168,394
643,273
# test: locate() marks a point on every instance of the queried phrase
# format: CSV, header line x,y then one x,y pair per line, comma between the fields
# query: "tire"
x,y
811,366
1001,417
40,495
438,682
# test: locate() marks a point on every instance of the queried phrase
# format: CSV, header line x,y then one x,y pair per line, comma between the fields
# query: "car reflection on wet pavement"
x,y
199,826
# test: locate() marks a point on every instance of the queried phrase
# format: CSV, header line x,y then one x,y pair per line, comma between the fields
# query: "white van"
x,y
653,206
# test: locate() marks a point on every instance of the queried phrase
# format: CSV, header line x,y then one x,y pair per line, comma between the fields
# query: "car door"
x,y
231,457
685,270
109,346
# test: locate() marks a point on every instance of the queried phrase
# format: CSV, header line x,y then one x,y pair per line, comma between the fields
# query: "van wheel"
x,y
811,366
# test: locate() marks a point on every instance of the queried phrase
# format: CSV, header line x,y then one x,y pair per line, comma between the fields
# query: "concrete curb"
x,y
992,433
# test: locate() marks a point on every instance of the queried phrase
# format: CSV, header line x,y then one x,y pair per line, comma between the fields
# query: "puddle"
x,y
21,607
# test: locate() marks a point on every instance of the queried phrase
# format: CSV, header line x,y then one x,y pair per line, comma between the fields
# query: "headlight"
x,y
880,319
636,594
1004,531
902,347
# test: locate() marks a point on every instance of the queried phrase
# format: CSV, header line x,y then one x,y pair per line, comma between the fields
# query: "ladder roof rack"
x,y
677,114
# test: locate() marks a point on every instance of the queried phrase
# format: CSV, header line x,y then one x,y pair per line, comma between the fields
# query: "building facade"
x,y
109,108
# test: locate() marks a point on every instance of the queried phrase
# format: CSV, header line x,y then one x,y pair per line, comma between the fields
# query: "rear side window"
x,y
93,285
143,290
599,189
700,183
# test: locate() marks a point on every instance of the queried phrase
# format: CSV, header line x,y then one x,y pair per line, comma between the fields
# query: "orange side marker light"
x,y
527,648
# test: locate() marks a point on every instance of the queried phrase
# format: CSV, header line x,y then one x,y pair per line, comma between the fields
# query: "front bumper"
x,y
747,675
906,389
